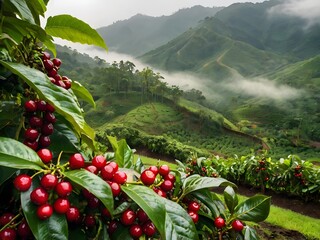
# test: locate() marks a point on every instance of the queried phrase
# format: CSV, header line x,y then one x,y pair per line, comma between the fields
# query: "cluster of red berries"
x,y
298,174
40,119
262,166
236,225
193,209
51,67
16,229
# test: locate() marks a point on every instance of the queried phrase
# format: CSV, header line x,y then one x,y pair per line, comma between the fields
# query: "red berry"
x,y
67,83
46,55
31,144
161,193
219,222
154,169
50,117
87,194
31,134
61,205
93,202
44,211
115,188
48,64
44,141
142,216
92,169
63,189
35,122
30,106
99,161
76,161
50,108
57,77
8,234
112,227
89,221
237,225
170,177
60,83
52,72
49,181
24,230
41,105
166,186
194,216
22,182
194,206
135,231
47,129
147,177
149,229
107,172
39,196
105,213
164,170
73,214
120,177
128,217
57,62
6,218
114,165
45,155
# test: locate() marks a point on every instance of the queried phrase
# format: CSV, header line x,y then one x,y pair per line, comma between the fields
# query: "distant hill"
x,y
141,33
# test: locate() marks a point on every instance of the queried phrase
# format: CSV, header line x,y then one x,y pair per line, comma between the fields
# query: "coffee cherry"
x,y
147,177
8,234
60,83
128,217
67,83
61,205
6,218
31,144
154,169
30,106
35,122
52,72
99,161
89,221
44,211
161,193
92,169
76,161
115,188
46,56
219,222
44,141
58,78
50,117
73,214
135,231
166,186
48,64
120,177
45,155
149,229
41,105
47,129
112,226
22,182
107,172
93,202
39,196
31,134
194,216
57,62
23,230
170,177
237,225
114,165
50,108
63,189
105,213
142,216
194,206
49,181
164,170
87,194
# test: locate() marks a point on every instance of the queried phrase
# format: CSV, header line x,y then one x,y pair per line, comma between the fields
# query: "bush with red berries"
x,y
57,182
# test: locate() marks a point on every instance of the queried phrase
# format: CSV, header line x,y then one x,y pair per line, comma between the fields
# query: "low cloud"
x,y
309,10
265,88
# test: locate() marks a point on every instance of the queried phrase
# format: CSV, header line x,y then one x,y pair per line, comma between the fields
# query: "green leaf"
x,y
94,184
230,198
23,10
170,219
138,166
123,153
250,233
37,8
54,228
62,99
73,29
255,209
15,154
5,174
122,233
196,182
81,92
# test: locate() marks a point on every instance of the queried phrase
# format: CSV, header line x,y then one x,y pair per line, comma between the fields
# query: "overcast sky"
x,y
98,13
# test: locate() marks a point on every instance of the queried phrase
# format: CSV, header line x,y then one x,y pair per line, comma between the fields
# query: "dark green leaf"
x,y
255,209
250,233
122,233
230,198
77,234
138,166
94,184
196,182
37,8
23,10
62,99
5,174
54,228
123,153
73,29
170,219
81,92
14,154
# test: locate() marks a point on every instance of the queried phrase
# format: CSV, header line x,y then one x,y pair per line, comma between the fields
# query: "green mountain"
x,y
141,33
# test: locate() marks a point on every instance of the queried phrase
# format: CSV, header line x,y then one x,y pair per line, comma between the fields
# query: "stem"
x,y
16,137
58,161
11,221
220,235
